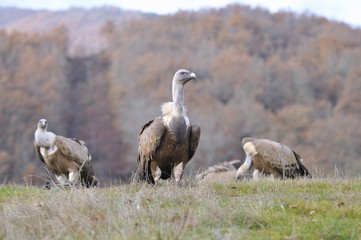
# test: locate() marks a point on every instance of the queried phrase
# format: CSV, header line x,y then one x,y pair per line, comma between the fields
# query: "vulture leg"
x,y
158,173
243,169
61,180
256,175
73,178
178,172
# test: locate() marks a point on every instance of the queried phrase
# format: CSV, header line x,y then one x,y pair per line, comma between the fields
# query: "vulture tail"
x,y
303,171
143,172
87,175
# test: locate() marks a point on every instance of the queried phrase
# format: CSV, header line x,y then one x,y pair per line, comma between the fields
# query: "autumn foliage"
x,y
295,79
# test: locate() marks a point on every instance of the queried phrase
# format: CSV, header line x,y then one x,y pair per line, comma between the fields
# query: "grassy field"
x,y
292,209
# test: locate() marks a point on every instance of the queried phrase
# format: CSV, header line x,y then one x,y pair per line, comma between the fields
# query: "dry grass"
x,y
302,209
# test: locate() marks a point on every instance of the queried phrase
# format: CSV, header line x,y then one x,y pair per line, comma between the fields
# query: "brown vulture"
x,y
168,142
271,158
67,158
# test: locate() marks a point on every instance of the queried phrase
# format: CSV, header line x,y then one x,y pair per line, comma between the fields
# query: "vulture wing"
x,y
275,154
74,149
150,137
37,149
195,134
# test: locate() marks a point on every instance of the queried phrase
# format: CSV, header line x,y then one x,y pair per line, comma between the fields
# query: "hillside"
x,y
84,25
287,77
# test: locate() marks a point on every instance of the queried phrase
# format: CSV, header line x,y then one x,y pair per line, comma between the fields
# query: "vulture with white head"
x,y
67,158
168,142
271,158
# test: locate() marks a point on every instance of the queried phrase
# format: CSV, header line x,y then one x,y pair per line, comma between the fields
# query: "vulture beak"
x,y
42,123
192,76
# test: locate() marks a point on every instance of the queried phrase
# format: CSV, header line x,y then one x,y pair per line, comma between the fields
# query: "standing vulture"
x,y
67,158
168,142
271,158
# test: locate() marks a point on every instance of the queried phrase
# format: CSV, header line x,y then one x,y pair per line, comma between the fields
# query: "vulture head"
x,y
182,76
43,124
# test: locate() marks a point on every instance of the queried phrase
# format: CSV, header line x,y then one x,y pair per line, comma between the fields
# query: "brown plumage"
x,y
67,158
168,142
271,158
221,172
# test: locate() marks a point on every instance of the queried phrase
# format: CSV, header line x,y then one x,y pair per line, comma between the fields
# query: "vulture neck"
x,y
178,92
44,138
40,132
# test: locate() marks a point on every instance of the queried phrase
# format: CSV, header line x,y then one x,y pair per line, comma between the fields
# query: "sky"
x,y
348,11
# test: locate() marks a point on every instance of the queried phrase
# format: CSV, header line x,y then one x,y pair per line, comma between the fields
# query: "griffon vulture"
x,y
271,158
168,142
221,172
67,158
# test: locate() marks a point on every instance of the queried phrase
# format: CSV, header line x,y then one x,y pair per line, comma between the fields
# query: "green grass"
x,y
292,209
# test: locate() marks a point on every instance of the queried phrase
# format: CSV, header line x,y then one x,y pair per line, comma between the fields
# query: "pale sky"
x,y
348,11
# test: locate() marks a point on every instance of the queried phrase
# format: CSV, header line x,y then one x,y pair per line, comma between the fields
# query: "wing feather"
x,y
195,134
274,153
301,168
73,149
37,150
150,138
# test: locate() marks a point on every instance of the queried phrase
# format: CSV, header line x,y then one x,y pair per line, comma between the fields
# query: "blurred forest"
x,y
292,78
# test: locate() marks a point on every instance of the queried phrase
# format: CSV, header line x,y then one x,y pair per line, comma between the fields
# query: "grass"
x,y
291,209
